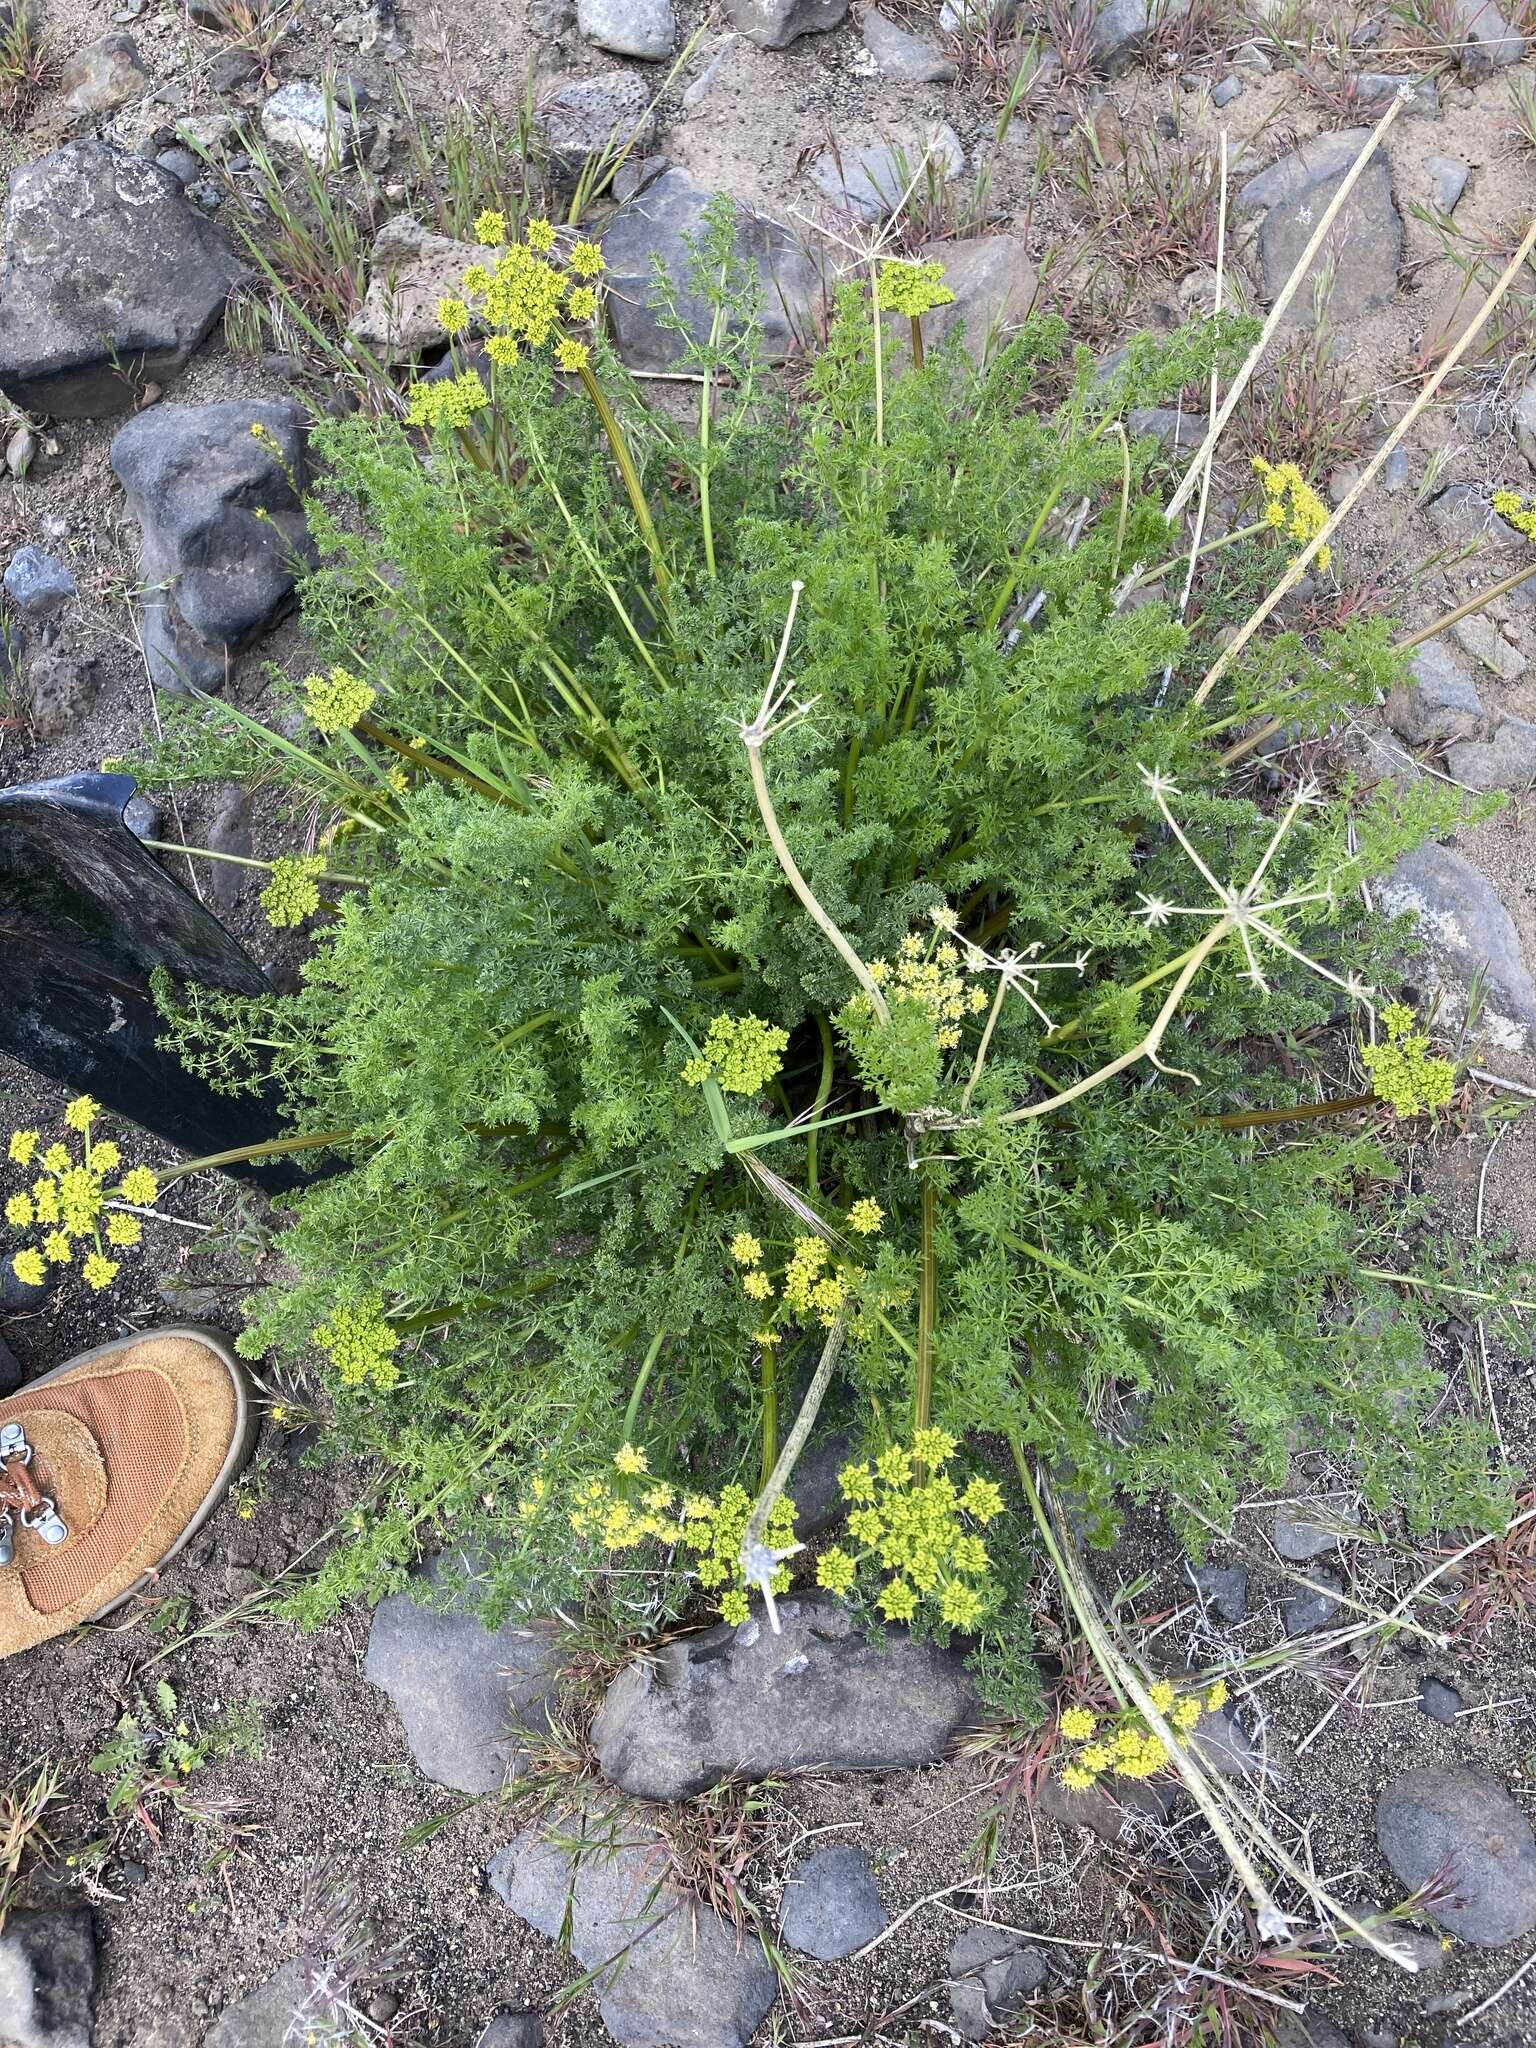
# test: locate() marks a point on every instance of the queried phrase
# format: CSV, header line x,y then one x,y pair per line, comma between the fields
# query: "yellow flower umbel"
x,y
334,703
1520,512
1402,1070
1122,1745
67,1204
1291,506
361,1344
930,974
293,892
742,1053
912,289
919,1537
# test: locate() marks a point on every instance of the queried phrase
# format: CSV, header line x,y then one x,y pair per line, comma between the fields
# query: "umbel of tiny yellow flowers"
x,y
293,892
912,289
629,1508
66,1204
360,1343
1403,1072
743,1054
334,703
919,1537
1122,1745
930,973
1519,511
1291,505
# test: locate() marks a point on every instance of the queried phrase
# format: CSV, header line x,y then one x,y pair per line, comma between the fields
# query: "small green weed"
x,y
155,1753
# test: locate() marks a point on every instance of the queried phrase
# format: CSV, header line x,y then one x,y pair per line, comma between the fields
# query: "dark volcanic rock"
x,y
109,281
745,1702
1461,1830
831,1906
213,488
47,1979
992,1970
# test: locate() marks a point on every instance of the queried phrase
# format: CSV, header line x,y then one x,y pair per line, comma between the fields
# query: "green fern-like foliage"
x,y
570,882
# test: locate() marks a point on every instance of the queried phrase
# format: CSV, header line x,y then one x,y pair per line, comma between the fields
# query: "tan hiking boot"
x,y
107,1468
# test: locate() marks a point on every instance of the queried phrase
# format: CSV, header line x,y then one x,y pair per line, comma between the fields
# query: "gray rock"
x,y
264,2017
995,286
1325,156
679,1974
992,1970
20,452
1460,1829
513,2030
974,17
230,830
1441,1702
1439,702
1307,1608
36,582
1375,88
59,685
1224,1589
630,28
723,55
635,173
1523,406
1309,2030
902,55
818,1498
1463,512
142,817
1224,1745
1488,41
775,24
1507,761
1481,638
47,1979
1103,1813
463,1694
1298,1536
831,1906
868,179
1447,181
103,76
746,1702
183,166
1121,28
230,69
109,281
590,117
410,269
1226,90
1465,933
330,128
1365,244
1176,430
657,224
215,574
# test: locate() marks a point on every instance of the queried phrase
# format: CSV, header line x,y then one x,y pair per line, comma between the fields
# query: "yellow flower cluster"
x,y
450,403
1520,512
930,973
335,703
1291,505
293,893
67,1203
361,1344
623,1512
922,1532
912,289
742,1053
1402,1071
1122,1745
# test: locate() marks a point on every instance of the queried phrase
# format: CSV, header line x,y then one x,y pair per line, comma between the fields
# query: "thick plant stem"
x,y
272,1148
770,1383
1465,611
238,860
758,1563
1299,1113
927,1309
631,476
917,342
823,1092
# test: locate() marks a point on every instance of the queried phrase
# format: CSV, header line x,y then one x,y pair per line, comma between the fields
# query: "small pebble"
x,y
1227,91
1441,1702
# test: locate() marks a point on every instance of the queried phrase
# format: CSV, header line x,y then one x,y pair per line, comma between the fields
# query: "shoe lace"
x,y
21,1498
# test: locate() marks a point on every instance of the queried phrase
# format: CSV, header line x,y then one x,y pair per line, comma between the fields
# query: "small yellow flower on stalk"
x,y
572,355
1521,516
23,1145
99,1271
1076,1778
766,1338
1216,1698
29,1268
451,404
453,315
45,1199
912,289
586,259
1077,1724
1291,505
490,228
540,235
20,1211
82,1113
581,302
1402,1071
334,703
866,1217
746,1250
293,893
105,1156
125,1231
1186,1714
140,1186
628,1460
1162,1695
835,1571
56,1248
56,1158
757,1286
982,1500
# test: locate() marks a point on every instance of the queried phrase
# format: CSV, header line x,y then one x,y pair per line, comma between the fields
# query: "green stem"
x,y
631,476
637,1392
240,860
272,1148
1211,547
927,1306
917,342
823,1091
1249,1119
770,1378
